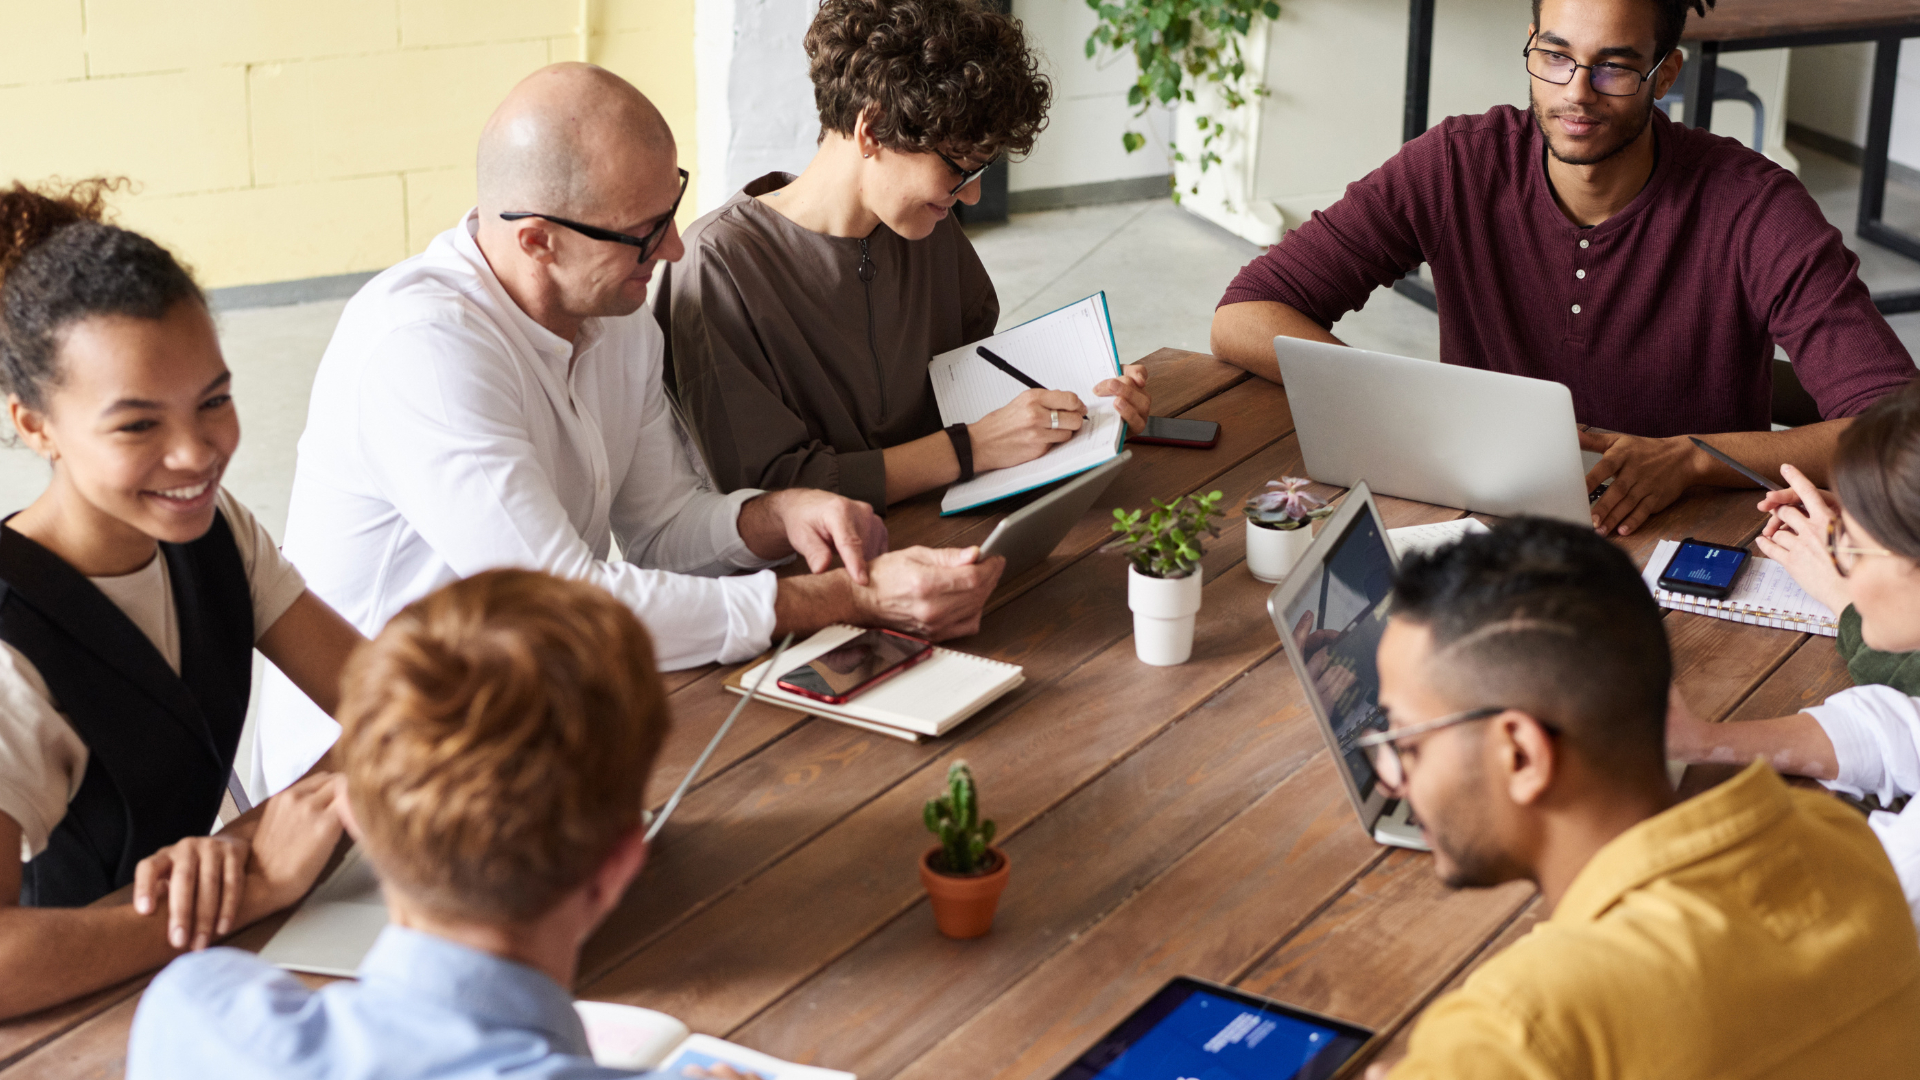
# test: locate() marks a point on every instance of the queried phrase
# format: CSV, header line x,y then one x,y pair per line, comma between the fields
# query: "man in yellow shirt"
x,y
1754,931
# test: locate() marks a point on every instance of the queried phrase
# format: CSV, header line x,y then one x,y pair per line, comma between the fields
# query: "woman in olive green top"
x,y
803,316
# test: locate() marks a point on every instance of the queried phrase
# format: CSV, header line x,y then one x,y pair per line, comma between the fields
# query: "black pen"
x,y
996,361
1736,466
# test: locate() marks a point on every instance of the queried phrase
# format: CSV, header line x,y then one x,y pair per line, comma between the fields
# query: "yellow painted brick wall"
x,y
271,140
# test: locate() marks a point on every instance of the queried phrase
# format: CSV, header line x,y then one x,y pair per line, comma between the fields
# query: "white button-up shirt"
x,y
449,433
1875,732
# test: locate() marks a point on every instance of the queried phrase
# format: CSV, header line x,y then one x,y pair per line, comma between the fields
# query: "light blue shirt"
x,y
423,1008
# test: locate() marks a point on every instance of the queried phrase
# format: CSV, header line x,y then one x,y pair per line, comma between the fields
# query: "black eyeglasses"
x,y
1613,80
965,176
594,232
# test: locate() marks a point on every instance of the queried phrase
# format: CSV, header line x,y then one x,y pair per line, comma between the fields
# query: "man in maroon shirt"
x,y
1648,266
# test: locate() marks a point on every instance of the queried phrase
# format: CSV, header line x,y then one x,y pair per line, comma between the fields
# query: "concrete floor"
x,y
1162,268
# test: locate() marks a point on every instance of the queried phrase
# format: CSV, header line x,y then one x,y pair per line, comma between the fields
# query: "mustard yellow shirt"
x,y
1754,931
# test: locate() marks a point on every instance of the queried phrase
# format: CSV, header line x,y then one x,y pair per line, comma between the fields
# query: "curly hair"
x,y
944,75
496,739
1669,19
59,263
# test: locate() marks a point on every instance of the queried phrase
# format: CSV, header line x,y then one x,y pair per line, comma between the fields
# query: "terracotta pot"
x,y
963,906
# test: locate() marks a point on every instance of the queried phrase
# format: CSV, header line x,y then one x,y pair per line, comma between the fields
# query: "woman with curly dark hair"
x,y
802,319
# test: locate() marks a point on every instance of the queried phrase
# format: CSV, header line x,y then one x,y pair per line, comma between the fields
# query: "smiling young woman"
x,y
802,319
133,592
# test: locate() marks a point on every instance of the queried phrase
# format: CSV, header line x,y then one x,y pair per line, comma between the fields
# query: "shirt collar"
x,y
1704,825
1542,186
555,351
422,967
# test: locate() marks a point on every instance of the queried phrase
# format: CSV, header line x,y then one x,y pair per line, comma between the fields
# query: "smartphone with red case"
x,y
838,676
1172,431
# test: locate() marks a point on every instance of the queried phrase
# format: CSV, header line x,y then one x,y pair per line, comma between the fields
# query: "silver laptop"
x,y
1028,535
1436,433
1330,613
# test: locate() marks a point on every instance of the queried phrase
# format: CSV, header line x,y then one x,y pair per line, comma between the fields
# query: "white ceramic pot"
x,y
1271,553
1163,611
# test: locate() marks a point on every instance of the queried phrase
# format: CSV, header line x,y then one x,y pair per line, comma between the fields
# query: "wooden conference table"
x,y
1161,821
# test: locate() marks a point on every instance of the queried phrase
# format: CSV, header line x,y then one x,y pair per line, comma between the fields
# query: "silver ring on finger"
x,y
1054,423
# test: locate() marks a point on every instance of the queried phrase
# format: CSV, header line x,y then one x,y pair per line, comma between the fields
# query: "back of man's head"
x,y
565,140
1554,621
496,739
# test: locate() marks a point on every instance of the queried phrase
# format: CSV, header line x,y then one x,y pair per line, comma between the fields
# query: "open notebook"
x,y
1766,595
1070,349
629,1037
927,699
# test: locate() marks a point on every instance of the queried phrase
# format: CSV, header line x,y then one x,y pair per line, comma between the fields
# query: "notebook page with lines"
x,y
1070,349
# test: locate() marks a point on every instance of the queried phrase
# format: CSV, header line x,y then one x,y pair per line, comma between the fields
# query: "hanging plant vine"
x,y
1177,44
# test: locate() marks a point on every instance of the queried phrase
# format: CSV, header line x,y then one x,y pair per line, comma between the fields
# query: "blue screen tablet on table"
x,y
1193,1030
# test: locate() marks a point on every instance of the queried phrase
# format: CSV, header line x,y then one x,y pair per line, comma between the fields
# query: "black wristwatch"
x,y
962,449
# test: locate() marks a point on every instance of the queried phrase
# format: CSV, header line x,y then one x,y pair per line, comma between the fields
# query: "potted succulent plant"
x,y
964,873
1163,572
1277,532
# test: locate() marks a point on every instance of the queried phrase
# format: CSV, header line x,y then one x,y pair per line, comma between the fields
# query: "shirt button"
x,y
1576,309
1583,243
1580,274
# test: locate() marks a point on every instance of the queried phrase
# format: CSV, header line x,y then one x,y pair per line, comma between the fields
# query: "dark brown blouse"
x,y
799,357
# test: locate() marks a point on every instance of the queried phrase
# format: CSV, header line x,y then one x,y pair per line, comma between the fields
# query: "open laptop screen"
x,y
1336,619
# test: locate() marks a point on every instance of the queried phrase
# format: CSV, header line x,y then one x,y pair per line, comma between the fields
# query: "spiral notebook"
x,y
1766,595
928,699
1070,349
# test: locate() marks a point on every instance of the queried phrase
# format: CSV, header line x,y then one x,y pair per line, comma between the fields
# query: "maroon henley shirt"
x,y
1662,319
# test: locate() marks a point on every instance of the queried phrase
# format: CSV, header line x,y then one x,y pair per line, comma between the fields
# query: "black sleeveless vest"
x,y
159,745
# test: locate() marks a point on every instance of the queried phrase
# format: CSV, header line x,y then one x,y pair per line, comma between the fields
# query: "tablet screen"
x,y
1194,1031
1336,621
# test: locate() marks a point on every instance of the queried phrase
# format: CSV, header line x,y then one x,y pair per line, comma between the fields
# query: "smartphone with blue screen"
x,y
1704,569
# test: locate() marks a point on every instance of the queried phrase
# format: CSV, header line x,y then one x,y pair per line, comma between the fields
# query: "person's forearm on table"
x,y
1243,334
1794,745
51,955
921,465
1809,449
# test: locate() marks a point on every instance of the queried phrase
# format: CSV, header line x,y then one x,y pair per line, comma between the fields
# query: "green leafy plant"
x,y
1177,44
954,817
1285,504
1169,542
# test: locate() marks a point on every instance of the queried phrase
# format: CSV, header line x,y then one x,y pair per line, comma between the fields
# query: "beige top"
x,y
42,759
793,371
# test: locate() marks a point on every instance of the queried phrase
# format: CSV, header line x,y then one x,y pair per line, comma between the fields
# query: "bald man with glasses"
x,y
1652,268
496,401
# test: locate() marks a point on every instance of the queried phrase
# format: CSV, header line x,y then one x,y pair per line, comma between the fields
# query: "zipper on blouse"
x,y
867,271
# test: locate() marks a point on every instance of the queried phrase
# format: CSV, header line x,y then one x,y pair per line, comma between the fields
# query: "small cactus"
x,y
954,817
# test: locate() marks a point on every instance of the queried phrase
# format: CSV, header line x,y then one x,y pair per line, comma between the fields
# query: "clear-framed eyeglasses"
x,y
1383,747
1612,80
1845,556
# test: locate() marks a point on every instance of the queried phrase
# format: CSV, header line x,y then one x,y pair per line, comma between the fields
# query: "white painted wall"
x,y
755,111
1831,87
1082,142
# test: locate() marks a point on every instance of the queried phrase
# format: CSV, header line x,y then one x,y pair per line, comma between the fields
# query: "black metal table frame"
x,y
1699,73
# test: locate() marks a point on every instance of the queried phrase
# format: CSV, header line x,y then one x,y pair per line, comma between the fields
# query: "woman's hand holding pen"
x,y
1800,519
1025,428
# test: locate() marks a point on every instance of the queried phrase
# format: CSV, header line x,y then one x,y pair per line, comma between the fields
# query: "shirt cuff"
x,y
1855,721
732,550
863,476
750,616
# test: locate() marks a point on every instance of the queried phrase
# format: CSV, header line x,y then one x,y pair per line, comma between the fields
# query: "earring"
x,y
866,155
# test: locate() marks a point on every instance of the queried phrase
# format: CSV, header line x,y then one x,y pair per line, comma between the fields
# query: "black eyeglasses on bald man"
x,y
594,232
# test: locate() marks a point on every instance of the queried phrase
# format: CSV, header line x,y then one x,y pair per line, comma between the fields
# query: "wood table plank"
x,y
1746,20
1530,916
830,768
1239,893
1248,415
876,1009
739,955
